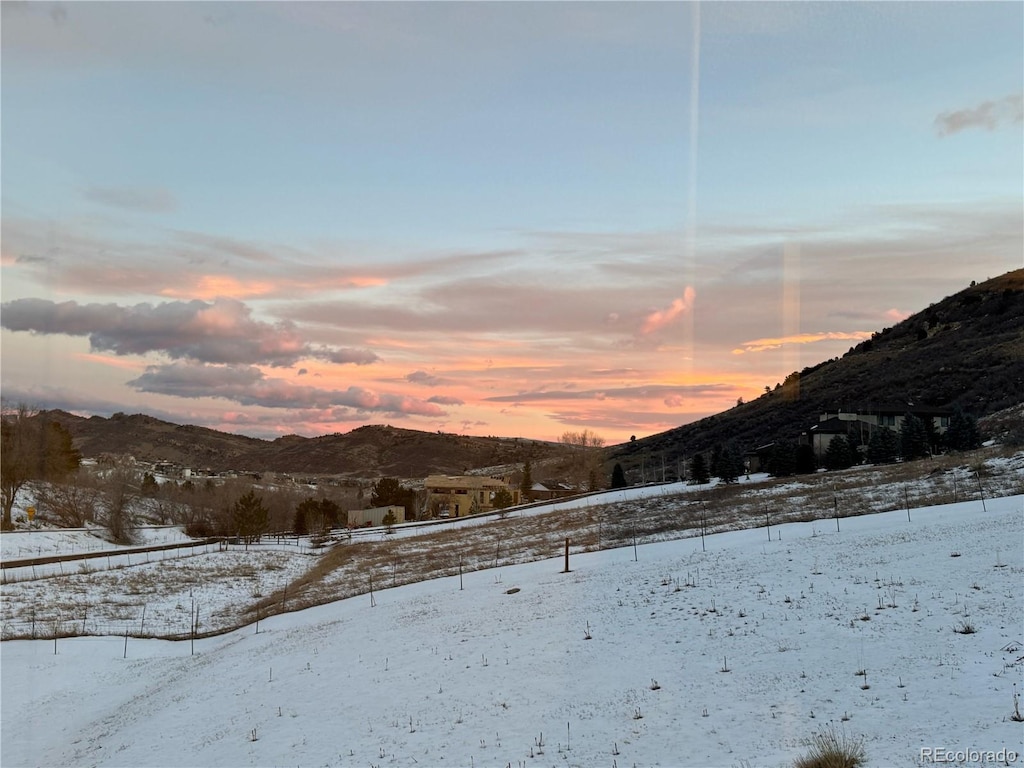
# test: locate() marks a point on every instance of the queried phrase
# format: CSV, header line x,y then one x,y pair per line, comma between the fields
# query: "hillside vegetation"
x,y
366,452
966,350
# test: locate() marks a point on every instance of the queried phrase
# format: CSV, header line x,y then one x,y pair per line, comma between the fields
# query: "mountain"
x,y
966,350
370,451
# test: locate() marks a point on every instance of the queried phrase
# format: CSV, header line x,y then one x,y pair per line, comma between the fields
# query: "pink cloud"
x,y
663,317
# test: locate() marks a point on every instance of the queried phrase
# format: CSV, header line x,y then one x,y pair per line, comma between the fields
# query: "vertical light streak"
x,y
791,309
690,246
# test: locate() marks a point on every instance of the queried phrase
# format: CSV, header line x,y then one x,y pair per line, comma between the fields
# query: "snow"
x,y
24,544
466,672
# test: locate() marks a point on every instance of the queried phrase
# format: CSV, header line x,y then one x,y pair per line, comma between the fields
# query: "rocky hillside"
x,y
966,350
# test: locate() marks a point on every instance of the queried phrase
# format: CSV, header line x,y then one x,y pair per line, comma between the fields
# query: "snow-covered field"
x,y
25,544
725,657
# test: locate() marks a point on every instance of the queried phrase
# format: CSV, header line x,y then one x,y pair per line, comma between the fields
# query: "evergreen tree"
x,y
299,525
249,517
883,447
526,484
502,499
962,433
840,453
715,467
386,491
314,515
730,463
914,442
618,477
149,487
699,470
782,460
806,461
331,513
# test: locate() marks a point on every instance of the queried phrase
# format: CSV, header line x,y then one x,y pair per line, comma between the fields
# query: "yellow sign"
x,y
31,512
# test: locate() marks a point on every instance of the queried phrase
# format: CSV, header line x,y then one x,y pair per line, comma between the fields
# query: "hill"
x,y
370,451
966,350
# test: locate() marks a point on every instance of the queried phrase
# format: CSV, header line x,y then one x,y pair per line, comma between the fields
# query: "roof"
x,y
833,426
462,481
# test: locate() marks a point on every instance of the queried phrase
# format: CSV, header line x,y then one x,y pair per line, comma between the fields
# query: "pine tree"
x,y
149,487
249,517
699,470
782,461
526,484
299,524
914,442
806,461
502,499
715,467
840,453
730,465
883,447
962,433
618,477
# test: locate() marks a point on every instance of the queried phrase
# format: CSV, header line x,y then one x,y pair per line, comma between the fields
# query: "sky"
x,y
512,219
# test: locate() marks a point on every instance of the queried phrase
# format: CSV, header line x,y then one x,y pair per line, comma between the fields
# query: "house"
x,y
358,518
541,492
860,424
461,495
756,459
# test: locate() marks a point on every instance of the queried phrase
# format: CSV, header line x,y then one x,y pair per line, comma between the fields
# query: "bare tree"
x,y
584,457
120,488
71,503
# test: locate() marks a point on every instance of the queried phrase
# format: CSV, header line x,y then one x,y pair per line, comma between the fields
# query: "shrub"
x,y
832,749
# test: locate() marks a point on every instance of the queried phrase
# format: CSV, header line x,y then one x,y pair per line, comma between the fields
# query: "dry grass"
x,y
832,749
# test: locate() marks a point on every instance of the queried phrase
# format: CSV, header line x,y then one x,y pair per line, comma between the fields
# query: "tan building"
x,y
461,495
357,518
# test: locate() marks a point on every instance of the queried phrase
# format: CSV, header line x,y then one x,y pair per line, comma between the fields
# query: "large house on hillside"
x,y
461,495
862,423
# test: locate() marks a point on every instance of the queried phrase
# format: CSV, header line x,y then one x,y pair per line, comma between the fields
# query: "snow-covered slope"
x,y
733,656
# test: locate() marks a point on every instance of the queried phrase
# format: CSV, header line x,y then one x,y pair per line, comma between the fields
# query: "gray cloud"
x,y
247,385
426,379
193,264
221,331
988,115
444,400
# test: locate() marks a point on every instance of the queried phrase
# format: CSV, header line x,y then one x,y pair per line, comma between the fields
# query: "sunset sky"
x,y
509,219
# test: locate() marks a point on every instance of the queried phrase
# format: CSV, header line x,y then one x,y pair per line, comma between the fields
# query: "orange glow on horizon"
x,y
762,345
